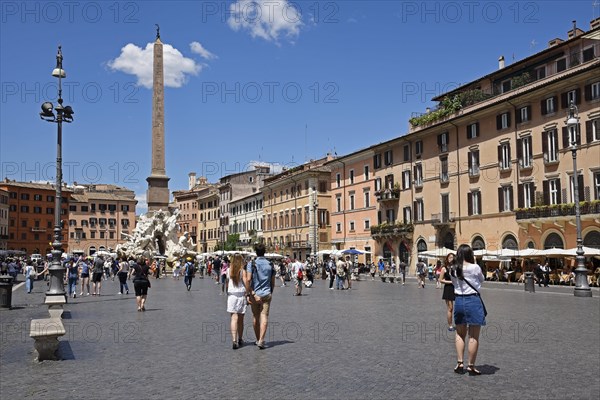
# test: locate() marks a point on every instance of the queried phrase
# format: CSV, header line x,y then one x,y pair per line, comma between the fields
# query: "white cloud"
x,y
142,204
136,61
197,48
266,19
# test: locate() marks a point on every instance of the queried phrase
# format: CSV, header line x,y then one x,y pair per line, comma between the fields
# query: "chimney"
x,y
191,180
555,42
575,31
595,23
501,62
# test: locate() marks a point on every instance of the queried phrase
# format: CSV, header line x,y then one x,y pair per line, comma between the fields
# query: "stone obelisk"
x,y
157,194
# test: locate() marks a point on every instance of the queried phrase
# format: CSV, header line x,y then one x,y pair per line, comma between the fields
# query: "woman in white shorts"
x,y
236,299
177,270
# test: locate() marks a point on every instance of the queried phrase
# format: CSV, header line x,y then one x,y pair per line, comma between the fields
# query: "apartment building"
x,y
208,220
246,219
100,217
296,209
31,216
492,165
187,203
4,207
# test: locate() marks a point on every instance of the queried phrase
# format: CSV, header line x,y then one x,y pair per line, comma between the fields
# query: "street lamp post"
x,y
63,114
582,288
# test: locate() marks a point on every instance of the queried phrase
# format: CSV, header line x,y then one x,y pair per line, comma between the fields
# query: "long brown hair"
x,y
237,263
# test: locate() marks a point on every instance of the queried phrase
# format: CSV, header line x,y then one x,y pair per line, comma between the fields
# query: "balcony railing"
x,y
388,194
558,210
386,229
442,218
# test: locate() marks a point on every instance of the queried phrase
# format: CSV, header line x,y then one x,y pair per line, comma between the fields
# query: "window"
x,y
351,226
367,224
504,156
406,179
50,198
390,215
588,54
505,195
338,227
338,180
561,64
503,121
377,161
72,222
506,86
92,235
526,194
418,148
24,196
540,73
388,158
571,96
37,210
550,146
367,196
406,151
580,188
443,141
525,152
592,91
592,130
407,215
552,191
418,172
366,172
352,202
419,210
474,163
377,184
444,169
549,105
37,197
473,130
474,202
597,185
23,223
524,114
24,209
338,203
351,176
389,181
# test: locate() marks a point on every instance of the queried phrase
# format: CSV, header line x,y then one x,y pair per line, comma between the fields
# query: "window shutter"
x,y
543,107
577,96
589,137
510,196
580,188
439,140
578,137
499,153
468,132
500,200
563,100
415,171
529,115
415,210
508,119
558,192
469,156
403,181
470,203
545,142
509,155
518,116
555,103
530,149
519,149
588,92
546,188
520,196
499,122
479,202
447,138
565,137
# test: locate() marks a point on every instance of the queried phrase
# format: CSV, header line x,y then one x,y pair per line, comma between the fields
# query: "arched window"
x,y
592,239
510,242
387,251
92,250
478,243
554,241
530,245
421,245
449,241
403,252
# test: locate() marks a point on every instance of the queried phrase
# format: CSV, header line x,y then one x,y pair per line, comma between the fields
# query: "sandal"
x,y
472,371
459,369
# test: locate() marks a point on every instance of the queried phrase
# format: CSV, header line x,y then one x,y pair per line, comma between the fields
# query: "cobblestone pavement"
x,y
378,340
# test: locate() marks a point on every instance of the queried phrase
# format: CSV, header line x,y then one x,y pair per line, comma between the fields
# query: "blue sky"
x,y
269,81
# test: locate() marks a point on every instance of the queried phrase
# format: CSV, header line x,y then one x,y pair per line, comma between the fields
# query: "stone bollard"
x,y
529,282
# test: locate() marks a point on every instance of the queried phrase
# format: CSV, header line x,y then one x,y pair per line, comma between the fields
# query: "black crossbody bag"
x,y
478,295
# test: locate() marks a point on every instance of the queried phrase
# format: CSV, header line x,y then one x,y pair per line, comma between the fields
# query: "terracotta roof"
x,y
32,185
86,197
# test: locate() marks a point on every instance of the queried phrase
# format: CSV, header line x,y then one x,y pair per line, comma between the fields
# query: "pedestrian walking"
x,y
236,299
421,273
259,280
381,266
73,273
97,273
402,271
141,283
331,270
448,293
372,271
84,273
349,266
469,314
30,276
224,268
298,273
340,272
282,272
122,274
177,270
437,272
190,271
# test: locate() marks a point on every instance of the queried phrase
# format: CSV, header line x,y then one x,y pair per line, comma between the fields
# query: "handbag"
x,y
478,295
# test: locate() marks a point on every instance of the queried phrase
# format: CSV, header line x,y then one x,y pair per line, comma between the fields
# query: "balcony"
x,y
558,210
299,245
386,230
388,194
442,219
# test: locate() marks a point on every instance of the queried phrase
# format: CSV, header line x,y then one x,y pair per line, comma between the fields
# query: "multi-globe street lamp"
x,y
582,288
63,114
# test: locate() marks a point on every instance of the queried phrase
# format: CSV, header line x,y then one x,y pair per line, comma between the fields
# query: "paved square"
x,y
378,340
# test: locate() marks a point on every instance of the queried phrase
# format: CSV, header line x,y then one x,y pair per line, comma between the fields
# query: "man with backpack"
x,y
190,271
421,273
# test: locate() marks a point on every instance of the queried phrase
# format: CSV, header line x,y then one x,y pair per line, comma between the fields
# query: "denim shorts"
x,y
468,310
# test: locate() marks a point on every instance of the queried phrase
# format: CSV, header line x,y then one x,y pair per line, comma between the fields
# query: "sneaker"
x,y
81,294
120,293
261,345
127,292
